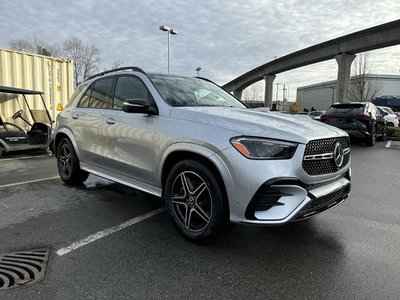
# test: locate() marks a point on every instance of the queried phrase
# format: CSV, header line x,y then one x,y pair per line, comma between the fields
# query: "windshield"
x,y
186,91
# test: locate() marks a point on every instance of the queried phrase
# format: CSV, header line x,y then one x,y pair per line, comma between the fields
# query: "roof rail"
x,y
136,69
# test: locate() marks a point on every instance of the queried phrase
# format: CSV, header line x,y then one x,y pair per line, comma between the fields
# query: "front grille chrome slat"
x,y
318,156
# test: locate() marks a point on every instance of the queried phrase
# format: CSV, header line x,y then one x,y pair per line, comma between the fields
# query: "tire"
x,y
384,134
370,141
68,164
1,151
195,202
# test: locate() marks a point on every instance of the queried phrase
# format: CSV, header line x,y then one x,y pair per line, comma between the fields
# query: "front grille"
x,y
324,166
318,205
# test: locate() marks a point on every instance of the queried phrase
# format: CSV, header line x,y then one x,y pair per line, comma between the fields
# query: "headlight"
x,y
261,148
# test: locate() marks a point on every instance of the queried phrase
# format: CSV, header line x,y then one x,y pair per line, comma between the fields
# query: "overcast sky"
x,y
224,38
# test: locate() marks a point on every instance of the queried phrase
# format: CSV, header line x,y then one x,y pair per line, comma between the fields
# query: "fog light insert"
x,y
265,198
22,268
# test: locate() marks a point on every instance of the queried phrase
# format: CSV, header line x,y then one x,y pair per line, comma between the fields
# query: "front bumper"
x,y
279,201
274,192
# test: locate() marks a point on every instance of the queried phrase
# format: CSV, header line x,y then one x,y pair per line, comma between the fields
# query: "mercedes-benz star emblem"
x,y
338,154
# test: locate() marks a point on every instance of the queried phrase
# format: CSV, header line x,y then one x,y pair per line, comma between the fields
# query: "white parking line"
x,y
388,143
26,182
101,234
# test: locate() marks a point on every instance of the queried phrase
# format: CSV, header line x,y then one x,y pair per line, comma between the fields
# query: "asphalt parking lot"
x,y
350,252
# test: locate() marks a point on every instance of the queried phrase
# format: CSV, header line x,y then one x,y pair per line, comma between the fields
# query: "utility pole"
x,y
284,96
277,91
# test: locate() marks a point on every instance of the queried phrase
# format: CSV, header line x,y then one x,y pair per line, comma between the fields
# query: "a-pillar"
x,y
344,61
269,85
238,93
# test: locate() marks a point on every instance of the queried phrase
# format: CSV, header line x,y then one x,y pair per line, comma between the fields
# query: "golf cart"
x,y
27,131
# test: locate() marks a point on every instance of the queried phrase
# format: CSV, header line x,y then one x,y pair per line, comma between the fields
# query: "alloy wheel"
x,y
65,160
191,201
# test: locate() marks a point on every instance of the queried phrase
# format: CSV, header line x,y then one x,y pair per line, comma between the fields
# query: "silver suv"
x,y
213,160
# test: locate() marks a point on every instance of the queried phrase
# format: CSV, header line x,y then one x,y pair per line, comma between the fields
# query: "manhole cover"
x,y
22,268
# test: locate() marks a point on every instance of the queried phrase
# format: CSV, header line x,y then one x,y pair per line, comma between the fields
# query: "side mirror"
x,y
136,105
385,113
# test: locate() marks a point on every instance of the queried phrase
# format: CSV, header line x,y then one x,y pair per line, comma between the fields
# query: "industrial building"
x,y
50,75
321,95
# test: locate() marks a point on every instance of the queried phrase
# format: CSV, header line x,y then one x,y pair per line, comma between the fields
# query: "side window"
x,y
129,87
86,97
100,96
76,95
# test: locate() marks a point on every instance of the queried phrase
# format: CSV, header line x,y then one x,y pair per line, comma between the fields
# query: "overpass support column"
x,y
238,93
269,85
344,61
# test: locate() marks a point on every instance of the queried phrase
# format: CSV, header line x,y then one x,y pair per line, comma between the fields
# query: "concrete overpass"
x,y
343,49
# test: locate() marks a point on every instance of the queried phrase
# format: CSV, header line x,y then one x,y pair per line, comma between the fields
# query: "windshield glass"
x,y
185,91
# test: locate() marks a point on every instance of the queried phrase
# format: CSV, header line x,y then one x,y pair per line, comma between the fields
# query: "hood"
x,y
296,128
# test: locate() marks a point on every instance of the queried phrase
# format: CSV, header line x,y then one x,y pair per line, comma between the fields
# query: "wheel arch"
x,y
4,146
204,156
65,133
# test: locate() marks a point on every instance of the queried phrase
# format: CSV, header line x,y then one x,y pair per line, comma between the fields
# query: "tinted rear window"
x,y
347,109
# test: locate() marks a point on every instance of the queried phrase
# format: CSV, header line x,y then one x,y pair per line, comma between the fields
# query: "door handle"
x,y
75,116
110,121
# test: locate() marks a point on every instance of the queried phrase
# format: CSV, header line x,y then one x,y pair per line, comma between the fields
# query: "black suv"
x,y
358,119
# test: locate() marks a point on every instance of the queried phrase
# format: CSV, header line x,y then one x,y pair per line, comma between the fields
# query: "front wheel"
x,y
195,202
68,164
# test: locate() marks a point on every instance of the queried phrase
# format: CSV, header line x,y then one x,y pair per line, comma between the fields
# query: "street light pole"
x,y
169,31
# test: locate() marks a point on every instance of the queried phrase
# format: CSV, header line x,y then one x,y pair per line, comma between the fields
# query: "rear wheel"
x,y
384,134
195,202
370,141
68,164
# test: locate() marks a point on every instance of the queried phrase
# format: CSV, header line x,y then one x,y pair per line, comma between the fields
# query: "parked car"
x,y
389,115
38,121
358,119
316,114
212,159
262,109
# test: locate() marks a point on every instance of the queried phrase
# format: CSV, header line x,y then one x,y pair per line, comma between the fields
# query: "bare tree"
x,y
90,60
253,92
73,49
35,45
117,64
363,89
84,56
20,44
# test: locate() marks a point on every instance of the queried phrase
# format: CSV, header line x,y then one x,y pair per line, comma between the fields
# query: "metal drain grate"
x,y
22,268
